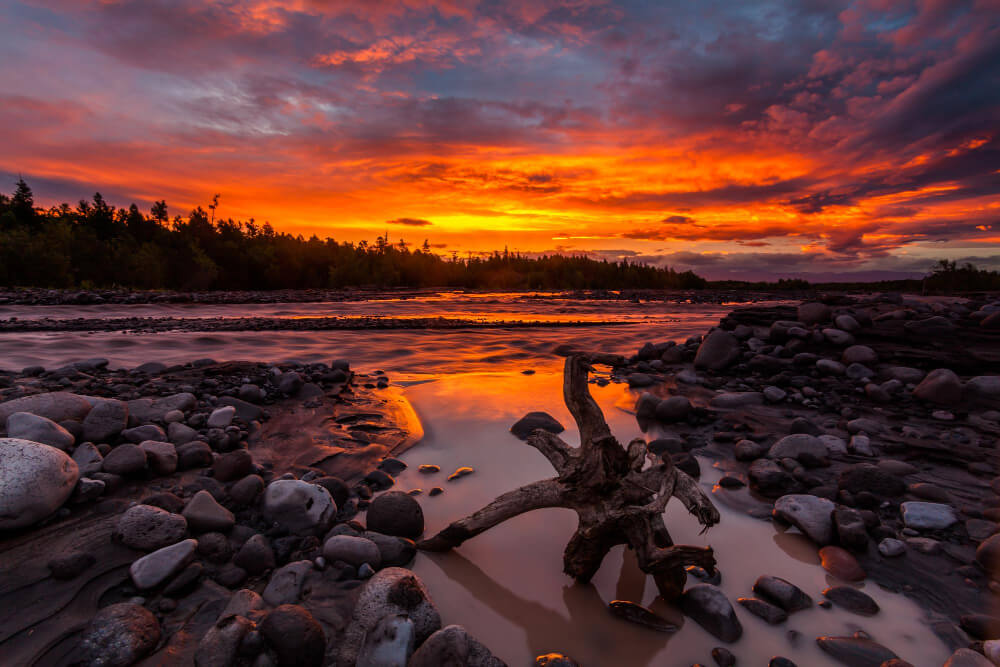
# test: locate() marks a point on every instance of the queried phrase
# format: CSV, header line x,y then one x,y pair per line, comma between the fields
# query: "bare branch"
x,y
552,447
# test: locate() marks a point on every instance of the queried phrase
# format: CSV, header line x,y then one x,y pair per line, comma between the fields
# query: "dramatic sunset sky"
x,y
740,139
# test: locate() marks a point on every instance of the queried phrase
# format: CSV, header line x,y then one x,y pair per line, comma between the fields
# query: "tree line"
x,y
96,244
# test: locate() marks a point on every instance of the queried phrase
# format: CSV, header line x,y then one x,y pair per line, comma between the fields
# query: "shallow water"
x,y
506,586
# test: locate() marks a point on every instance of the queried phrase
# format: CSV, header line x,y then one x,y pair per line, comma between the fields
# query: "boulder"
x,y
125,460
719,350
453,646
928,516
830,367
105,421
26,426
392,591
763,609
298,507
286,582
940,386
708,606
180,433
57,406
810,514
149,528
256,555
195,454
984,389
847,323
156,568
536,420
35,480
245,412
233,465
295,636
396,513
119,635
966,657
867,477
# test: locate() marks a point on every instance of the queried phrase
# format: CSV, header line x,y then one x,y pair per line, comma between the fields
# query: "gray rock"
x,y
243,603
774,394
984,389
204,514
830,367
298,506
719,350
859,354
763,609
26,426
847,323
673,409
125,459
783,593
194,454
35,480
352,550
645,407
246,490
864,425
285,586
221,644
927,516
221,417
890,547
858,372
105,421
810,514
797,446
147,410
246,412
162,456
392,591
769,479
149,528
708,606
748,450
838,336
144,433
851,530
905,374
834,445
256,555
156,568
57,406
181,434
452,646
940,386
119,635
527,424
389,643
394,551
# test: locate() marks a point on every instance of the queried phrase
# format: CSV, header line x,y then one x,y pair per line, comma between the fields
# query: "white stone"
x,y
221,417
35,480
927,516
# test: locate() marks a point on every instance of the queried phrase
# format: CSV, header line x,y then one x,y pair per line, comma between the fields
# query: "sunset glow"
x,y
736,139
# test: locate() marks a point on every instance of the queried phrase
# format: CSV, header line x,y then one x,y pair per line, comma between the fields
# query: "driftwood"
x,y
616,500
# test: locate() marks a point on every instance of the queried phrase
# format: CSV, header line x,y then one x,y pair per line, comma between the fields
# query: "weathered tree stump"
x,y
616,500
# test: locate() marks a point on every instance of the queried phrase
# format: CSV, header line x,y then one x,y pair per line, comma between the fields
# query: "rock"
x,y
233,465
195,454
459,473
988,555
119,635
927,516
395,551
763,609
891,547
634,613
352,550
256,555
769,479
856,651
214,547
812,515
205,515
221,417
388,644
298,507
981,626
555,660
180,433
673,409
396,513
852,600
125,460
71,565
984,389
156,568
774,394
645,407
390,592
708,606
88,459
813,312
285,586
221,644
966,657
736,399
147,410
452,646
841,564
940,386
866,477
145,432
719,350
859,354
723,657
782,593
748,450
57,406
905,374
35,480
830,367
800,446
245,412
851,530
106,420
838,337
290,383
26,426
527,424
847,323
337,488
295,636
639,380
149,528
162,456
245,491
834,445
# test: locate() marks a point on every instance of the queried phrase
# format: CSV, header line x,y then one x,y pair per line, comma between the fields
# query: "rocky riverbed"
x,y
209,513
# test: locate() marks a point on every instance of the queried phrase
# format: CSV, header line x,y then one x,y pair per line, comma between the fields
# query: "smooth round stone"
x,y
295,636
35,480
396,513
352,550
852,600
841,564
859,354
26,426
298,506
928,516
890,547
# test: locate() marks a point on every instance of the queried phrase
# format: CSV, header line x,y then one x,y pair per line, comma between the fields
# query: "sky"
x,y
752,140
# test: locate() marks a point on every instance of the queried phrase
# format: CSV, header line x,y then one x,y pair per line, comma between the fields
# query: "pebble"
x,y
708,606
852,600
841,564
156,568
460,472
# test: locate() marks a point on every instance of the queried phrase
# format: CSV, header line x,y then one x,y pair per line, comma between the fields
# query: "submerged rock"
x,y
783,593
634,613
852,600
856,651
709,607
